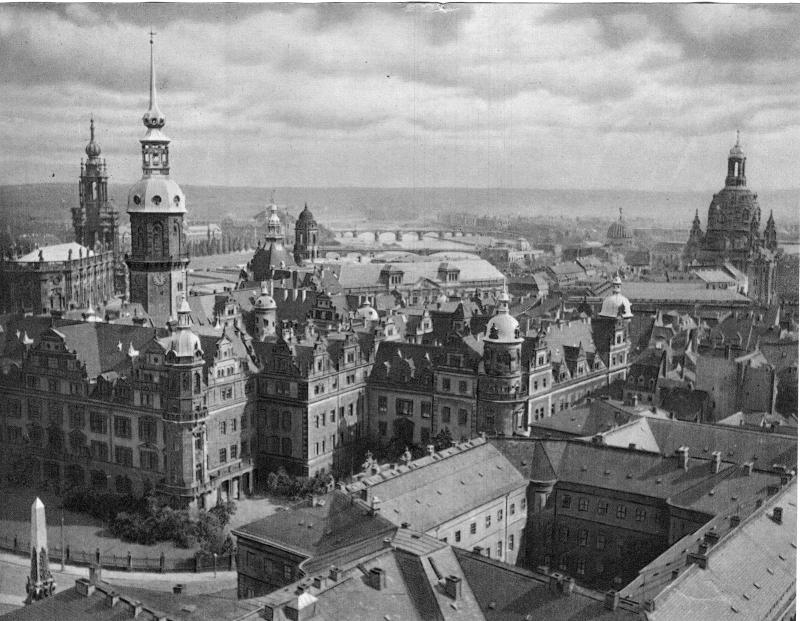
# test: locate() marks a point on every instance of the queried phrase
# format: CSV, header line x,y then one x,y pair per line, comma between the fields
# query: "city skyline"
x,y
551,96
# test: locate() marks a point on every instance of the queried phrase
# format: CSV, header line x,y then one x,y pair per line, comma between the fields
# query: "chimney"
x,y
334,573
319,582
112,599
777,515
683,453
452,586
785,480
611,600
377,578
748,468
716,461
735,521
772,489
632,446
711,537
177,589
477,550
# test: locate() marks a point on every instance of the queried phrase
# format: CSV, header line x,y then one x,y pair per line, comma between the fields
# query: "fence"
x,y
199,562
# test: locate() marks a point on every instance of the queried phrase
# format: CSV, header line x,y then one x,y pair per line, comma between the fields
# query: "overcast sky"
x,y
587,96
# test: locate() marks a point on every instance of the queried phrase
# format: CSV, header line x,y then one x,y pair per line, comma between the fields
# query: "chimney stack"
x,y
683,453
748,468
777,515
716,461
377,578
611,600
452,586
735,521
334,573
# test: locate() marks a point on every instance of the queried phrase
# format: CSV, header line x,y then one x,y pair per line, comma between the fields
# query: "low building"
x,y
468,495
313,535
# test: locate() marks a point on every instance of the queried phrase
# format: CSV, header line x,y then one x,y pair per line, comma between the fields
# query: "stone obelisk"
x,y
40,581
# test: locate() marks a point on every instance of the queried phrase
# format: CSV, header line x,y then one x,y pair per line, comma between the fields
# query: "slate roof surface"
x,y
507,593
750,574
356,275
679,291
438,490
56,252
316,530
69,605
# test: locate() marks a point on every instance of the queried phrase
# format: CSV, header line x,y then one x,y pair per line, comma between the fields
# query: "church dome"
x,y
306,216
616,305
156,194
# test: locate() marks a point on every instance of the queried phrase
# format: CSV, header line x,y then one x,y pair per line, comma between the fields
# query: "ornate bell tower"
x,y
306,235
156,205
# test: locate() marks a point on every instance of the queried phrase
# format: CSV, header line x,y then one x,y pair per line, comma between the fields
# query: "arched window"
x,y
197,382
158,240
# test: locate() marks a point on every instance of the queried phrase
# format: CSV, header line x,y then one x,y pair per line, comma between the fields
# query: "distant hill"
x,y
38,207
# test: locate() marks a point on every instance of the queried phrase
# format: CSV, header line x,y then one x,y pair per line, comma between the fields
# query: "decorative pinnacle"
x,y
737,138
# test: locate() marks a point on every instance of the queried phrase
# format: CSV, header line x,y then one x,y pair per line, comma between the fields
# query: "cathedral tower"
x,y
306,235
156,205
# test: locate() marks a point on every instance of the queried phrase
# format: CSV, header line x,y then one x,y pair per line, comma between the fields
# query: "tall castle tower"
x,y
156,205
501,394
306,235
95,220
733,234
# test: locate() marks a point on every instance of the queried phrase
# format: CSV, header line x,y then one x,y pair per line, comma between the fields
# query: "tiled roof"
x,y
679,291
356,275
750,574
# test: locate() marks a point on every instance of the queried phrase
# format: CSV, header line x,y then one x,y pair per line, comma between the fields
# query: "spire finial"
x,y
153,119
91,128
620,214
737,138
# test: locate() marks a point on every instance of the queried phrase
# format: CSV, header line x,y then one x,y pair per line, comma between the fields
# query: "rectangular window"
x,y
566,501
462,387
581,566
462,417
446,384
458,536
223,455
382,428
34,409
233,424
53,385
622,511
383,404
55,413
563,534
287,572
425,409
512,509
488,521
123,455
601,541
404,407
583,538
445,414
511,542
473,528
76,420
122,426
522,502
583,504
602,508
148,460
234,451
499,549
499,515
222,428
99,451
14,434
148,430
641,514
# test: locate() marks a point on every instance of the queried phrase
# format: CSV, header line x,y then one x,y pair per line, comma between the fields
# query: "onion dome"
x,y
305,215
619,230
503,327
92,149
265,301
367,312
184,343
616,305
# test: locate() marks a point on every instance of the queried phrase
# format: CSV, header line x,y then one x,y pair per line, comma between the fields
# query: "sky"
x,y
642,97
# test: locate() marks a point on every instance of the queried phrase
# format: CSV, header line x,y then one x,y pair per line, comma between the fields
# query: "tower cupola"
x,y
92,149
736,163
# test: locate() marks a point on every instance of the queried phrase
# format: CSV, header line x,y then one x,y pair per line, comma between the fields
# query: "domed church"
x,y
619,235
734,233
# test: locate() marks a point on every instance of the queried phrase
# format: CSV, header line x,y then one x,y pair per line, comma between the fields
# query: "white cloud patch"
x,y
391,95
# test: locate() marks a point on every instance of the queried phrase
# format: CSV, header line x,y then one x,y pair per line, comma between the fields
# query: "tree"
x,y
443,439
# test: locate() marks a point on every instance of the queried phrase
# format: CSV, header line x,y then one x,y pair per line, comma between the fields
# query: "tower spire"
x,y
153,118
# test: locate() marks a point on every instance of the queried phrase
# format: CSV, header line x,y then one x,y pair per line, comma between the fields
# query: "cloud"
x,y
391,94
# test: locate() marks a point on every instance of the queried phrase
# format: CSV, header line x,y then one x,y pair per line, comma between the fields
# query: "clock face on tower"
x,y
159,280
